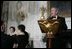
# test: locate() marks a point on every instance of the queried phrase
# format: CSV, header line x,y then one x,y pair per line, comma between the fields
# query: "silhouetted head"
x,y
2,26
2,22
21,28
12,29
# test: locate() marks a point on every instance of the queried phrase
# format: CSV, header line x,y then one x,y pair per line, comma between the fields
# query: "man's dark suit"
x,y
58,41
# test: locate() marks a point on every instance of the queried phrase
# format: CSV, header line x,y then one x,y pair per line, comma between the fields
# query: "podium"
x,y
50,27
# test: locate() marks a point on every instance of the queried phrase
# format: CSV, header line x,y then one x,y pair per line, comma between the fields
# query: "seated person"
x,y
12,30
6,40
22,37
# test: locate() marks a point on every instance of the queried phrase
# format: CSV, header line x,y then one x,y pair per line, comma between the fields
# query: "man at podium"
x,y
62,27
54,15
54,26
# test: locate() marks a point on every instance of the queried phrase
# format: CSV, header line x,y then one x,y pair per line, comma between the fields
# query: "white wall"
x,y
32,27
68,22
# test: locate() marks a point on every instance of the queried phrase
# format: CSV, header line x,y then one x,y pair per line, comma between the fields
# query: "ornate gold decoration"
x,y
50,27
42,9
20,13
19,5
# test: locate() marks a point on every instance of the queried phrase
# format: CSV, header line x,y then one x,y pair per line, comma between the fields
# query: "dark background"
x,y
63,6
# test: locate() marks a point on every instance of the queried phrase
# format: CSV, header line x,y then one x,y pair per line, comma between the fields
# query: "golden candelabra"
x,y
42,9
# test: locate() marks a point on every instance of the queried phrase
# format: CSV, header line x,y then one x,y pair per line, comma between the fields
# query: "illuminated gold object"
x,y
42,9
50,27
